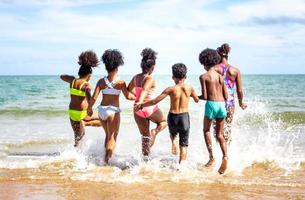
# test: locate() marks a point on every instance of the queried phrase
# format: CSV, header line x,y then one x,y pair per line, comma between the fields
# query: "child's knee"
x,y
206,131
219,137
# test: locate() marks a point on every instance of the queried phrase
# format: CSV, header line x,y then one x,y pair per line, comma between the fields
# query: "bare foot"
x,y
210,162
153,134
223,165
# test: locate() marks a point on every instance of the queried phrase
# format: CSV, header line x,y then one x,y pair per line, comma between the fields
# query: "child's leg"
x,y
174,145
183,153
104,125
79,131
228,125
143,125
113,124
223,144
158,118
208,141
94,120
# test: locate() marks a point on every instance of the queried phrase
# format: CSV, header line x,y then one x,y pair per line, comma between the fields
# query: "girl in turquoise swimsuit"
x,y
80,93
232,81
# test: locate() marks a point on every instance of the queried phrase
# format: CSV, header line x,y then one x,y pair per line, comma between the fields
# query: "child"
x,y
178,118
109,109
232,80
143,85
80,93
214,91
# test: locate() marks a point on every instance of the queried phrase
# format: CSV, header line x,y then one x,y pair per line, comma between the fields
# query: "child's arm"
x,y
154,101
239,91
194,95
67,78
204,94
131,86
94,98
88,92
128,95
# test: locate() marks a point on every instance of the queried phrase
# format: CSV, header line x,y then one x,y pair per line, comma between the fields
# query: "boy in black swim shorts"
x,y
178,118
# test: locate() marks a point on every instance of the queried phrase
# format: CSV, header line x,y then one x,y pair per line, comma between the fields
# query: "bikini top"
x,y
77,92
110,90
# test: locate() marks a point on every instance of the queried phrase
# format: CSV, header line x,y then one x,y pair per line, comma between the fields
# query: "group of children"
x,y
140,89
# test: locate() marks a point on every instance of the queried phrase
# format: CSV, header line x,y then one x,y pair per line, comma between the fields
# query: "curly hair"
x,y
148,58
209,57
112,58
87,60
224,50
179,70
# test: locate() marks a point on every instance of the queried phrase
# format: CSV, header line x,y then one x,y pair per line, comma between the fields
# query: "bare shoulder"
x,y
188,87
101,82
149,79
203,76
234,70
170,89
121,81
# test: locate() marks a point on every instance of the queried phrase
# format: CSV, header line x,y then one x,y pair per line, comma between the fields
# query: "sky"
x,y
46,36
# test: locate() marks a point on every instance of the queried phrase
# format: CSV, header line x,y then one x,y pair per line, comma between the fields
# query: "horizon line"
x,y
136,73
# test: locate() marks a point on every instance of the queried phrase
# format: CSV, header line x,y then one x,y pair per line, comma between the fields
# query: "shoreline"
x,y
70,189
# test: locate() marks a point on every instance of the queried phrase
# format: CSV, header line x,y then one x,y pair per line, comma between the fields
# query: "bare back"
x,y
213,86
179,97
110,99
107,99
79,102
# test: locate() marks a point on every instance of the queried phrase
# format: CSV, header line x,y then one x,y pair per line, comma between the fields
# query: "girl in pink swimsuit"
x,y
142,85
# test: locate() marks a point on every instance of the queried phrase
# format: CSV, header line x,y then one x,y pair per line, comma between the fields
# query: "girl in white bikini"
x,y
109,109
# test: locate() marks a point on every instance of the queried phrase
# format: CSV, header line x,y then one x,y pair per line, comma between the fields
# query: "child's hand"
x,y
137,106
243,106
90,112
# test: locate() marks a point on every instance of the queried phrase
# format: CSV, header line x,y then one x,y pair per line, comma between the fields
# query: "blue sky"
x,y
46,36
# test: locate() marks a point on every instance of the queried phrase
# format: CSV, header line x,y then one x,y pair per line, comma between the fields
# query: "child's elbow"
x,y
130,97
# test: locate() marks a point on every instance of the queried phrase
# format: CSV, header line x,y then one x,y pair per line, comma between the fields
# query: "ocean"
x,y
38,160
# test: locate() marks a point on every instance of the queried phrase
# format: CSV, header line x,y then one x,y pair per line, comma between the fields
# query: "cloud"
x,y
177,29
282,20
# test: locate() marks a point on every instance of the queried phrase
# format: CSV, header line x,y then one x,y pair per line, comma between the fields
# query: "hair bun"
x,y
148,53
88,59
226,48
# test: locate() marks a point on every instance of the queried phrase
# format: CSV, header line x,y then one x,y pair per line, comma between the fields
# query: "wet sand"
x,y
28,184
65,189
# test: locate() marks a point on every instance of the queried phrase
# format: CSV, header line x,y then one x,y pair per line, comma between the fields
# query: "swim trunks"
x,y
179,123
215,109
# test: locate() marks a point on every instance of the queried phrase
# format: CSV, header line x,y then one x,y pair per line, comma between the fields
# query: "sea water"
x,y
268,138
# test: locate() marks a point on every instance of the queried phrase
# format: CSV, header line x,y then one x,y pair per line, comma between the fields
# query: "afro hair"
x,y
112,58
209,57
179,70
